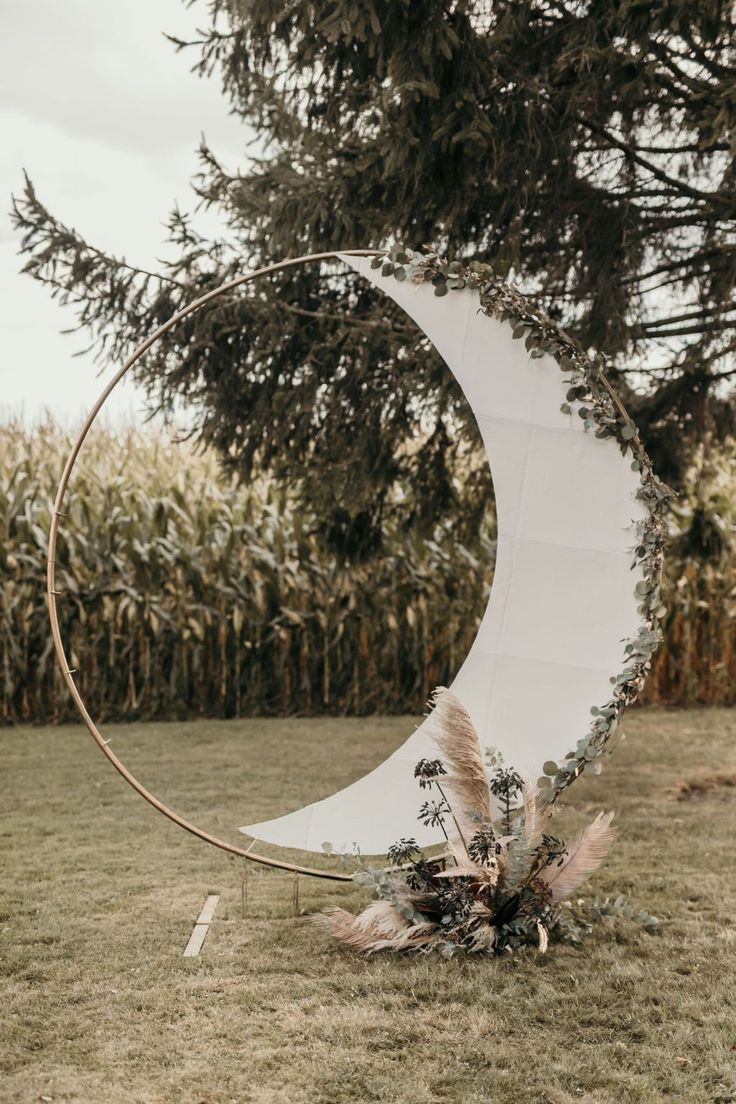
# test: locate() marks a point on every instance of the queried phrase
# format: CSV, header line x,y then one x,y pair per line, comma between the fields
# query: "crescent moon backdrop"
x,y
562,600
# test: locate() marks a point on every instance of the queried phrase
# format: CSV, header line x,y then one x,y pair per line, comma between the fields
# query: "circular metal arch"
x,y
58,513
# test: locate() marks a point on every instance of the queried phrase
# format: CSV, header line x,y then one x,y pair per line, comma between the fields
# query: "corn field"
x,y
186,594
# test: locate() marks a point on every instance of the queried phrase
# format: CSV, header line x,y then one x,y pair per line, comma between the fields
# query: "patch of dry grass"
x,y
100,894
705,785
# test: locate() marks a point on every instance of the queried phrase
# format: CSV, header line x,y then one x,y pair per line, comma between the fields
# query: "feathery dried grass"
x,y
534,806
380,927
585,854
503,890
454,733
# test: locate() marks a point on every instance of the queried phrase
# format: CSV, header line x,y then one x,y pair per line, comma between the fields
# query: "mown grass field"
x,y
100,893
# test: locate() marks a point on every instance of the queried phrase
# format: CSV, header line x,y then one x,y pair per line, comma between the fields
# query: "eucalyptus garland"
x,y
589,396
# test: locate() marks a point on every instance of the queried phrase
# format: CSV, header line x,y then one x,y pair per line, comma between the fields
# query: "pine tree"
x,y
582,147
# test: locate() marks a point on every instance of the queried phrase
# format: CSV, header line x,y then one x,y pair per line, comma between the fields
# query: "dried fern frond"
x,y
464,866
505,854
467,866
380,927
467,869
454,733
585,854
519,853
340,925
482,939
379,921
417,937
533,807
516,867
381,918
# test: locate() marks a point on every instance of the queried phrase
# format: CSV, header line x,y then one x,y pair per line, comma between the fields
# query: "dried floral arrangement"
x,y
589,395
502,882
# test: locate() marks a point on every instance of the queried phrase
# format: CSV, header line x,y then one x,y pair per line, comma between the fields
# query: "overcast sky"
x,y
106,118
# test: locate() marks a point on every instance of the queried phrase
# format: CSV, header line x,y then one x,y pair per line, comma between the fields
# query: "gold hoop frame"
x,y
52,592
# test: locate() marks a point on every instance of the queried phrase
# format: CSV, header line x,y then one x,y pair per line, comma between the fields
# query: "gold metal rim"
x,y
58,513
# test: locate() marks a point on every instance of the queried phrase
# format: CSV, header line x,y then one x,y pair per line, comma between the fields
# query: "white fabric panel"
x,y
562,598
519,686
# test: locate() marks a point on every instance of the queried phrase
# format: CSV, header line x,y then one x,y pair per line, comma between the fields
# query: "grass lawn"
x,y
100,893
